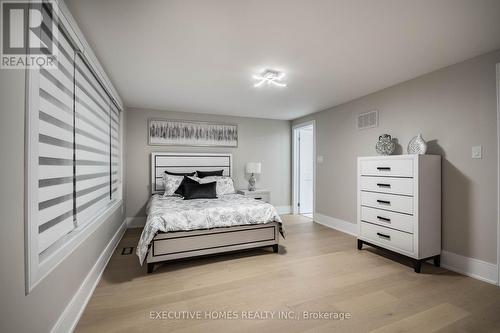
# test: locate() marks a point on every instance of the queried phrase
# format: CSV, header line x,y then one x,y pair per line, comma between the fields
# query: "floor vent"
x,y
127,250
368,120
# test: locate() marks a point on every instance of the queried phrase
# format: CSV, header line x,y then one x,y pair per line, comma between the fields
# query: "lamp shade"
x,y
253,167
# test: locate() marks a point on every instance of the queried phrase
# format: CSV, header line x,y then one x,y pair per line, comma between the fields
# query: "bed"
x,y
177,229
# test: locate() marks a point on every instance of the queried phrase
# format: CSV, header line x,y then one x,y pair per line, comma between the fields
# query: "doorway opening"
x,y
304,169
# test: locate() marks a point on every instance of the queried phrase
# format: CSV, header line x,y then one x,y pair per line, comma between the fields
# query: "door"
x,y
306,170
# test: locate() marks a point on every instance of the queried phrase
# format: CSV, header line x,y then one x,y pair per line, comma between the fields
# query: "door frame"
x,y
498,174
295,168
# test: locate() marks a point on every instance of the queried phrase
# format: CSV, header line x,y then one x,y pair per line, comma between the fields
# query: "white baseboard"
x,y
73,311
472,267
334,223
284,209
136,222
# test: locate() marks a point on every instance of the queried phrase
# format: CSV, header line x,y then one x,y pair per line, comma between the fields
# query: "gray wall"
x,y
454,108
261,140
38,311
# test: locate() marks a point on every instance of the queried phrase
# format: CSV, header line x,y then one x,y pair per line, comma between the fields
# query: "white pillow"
x,y
225,185
171,184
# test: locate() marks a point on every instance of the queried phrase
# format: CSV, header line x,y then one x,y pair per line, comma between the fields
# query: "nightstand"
x,y
258,194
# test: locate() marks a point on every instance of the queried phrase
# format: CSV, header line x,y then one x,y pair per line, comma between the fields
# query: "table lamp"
x,y
252,168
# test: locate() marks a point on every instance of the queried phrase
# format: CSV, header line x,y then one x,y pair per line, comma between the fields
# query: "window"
x,y
73,157
92,143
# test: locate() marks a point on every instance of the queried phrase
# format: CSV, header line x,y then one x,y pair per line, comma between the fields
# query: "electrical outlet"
x,y
320,159
477,152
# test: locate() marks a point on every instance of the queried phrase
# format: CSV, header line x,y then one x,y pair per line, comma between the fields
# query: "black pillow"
x,y
180,173
180,189
200,191
203,174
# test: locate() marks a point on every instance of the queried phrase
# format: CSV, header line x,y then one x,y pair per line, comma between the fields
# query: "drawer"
x,y
389,238
217,239
264,197
387,185
397,203
385,167
388,219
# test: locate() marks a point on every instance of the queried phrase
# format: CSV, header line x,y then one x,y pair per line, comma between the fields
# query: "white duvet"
x,y
175,214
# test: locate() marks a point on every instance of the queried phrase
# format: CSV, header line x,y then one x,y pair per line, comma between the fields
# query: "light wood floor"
x,y
317,269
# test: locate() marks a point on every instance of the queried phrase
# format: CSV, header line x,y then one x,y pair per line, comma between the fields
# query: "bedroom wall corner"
x,y
263,140
460,98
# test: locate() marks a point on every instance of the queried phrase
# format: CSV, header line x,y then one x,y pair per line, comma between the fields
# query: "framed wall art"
x,y
191,133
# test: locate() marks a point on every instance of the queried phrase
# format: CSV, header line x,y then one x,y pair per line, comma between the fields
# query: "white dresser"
x,y
399,205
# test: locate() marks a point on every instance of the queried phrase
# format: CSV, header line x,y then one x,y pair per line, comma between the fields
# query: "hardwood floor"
x,y
317,269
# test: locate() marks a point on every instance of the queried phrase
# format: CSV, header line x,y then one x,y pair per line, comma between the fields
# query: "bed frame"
x,y
187,244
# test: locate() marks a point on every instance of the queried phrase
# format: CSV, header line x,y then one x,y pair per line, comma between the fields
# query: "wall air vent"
x,y
367,120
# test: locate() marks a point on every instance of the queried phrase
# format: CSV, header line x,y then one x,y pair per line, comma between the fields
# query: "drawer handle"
x,y
385,219
383,168
384,236
258,198
385,202
383,185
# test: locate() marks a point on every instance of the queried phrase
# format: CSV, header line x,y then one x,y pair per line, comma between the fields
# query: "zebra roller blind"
x,y
55,149
78,149
92,142
115,152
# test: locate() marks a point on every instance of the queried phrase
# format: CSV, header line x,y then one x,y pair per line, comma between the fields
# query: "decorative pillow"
x,y
186,179
180,173
203,174
195,190
225,185
171,184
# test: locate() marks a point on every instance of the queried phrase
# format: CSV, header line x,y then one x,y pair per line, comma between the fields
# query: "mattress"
x,y
169,214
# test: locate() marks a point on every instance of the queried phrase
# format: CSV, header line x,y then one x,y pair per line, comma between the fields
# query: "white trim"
x,y
472,267
73,311
337,224
295,209
498,174
136,222
282,210
31,180
37,271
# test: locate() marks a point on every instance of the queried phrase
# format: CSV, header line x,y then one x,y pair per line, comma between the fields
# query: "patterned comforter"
x,y
175,214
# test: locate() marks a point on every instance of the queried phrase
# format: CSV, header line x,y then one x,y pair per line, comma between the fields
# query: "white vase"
x,y
417,145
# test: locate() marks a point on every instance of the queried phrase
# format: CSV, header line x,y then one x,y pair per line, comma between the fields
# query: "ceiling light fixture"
x,y
270,77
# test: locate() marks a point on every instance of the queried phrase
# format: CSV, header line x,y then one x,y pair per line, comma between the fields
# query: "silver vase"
x,y
385,145
417,145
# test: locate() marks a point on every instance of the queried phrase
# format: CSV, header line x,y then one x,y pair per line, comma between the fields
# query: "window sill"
x,y
65,247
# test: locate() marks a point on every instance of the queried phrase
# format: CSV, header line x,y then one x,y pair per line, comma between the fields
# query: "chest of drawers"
x,y
399,205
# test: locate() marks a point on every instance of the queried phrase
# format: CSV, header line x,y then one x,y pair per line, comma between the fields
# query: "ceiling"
x,y
199,56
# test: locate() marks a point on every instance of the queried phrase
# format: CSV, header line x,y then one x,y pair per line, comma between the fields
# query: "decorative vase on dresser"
x,y
399,205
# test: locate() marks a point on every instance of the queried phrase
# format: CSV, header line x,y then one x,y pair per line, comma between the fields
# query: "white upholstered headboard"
x,y
186,162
